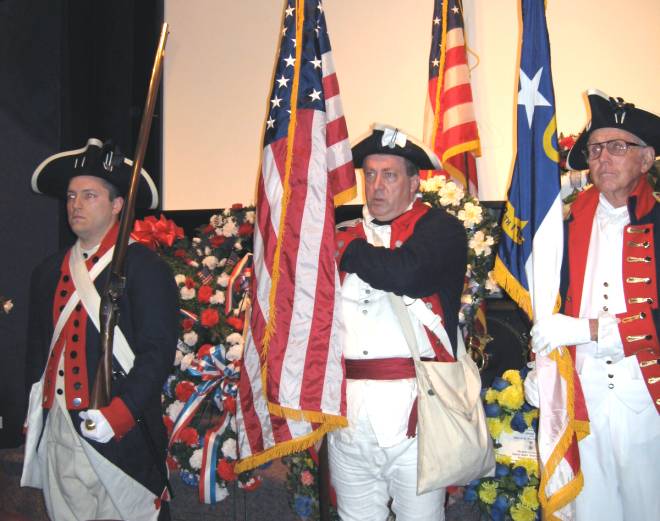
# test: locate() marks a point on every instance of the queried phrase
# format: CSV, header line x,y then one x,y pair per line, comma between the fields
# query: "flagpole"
x,y
324,481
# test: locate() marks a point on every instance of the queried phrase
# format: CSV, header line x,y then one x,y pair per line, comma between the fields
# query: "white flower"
x,y
432,184
249,216
177,357
235,352
220,493
193,264
226,212
229,448
451,194
180,279
195,460
215,221
217,298
229,229
234,338
198,251
481,243
471,214
187,293
223,280
238,246
210,262
187,360
174,409
196,240
207,251
491,284
190,338
7,306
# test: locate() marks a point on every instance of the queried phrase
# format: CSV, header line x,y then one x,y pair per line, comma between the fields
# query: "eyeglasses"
x,y
616,147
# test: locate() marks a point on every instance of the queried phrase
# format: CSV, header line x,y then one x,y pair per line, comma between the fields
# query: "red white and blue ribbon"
x,y
207,474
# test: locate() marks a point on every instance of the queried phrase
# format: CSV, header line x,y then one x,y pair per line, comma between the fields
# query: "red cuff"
x,y
119,417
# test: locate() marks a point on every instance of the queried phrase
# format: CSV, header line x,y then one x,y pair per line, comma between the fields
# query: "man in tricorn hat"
x,y
115,470
610,315
404,247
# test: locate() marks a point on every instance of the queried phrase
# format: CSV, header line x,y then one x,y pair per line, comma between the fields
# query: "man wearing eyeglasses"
x,y
610,311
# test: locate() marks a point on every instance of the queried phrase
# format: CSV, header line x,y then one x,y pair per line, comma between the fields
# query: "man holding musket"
x,y
113,467
610,311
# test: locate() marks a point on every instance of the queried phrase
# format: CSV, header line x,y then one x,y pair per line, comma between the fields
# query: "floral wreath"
x,y
512,494
212,272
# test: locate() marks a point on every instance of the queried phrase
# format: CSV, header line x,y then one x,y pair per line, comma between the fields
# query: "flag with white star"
x,y
291,390
529,259
450,128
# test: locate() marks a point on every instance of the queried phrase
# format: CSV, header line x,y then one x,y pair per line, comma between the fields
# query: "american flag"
x,y
450,128
292,388
528,264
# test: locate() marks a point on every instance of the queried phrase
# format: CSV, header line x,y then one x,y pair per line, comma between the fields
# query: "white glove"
x,y
559,330
102,432
609,338
532,388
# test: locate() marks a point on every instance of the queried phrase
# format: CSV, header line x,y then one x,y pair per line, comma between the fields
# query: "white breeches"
x,y
72,490
620,459
365,476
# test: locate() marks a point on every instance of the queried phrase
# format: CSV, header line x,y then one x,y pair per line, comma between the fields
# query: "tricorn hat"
x,y
607,112
97,159
385,139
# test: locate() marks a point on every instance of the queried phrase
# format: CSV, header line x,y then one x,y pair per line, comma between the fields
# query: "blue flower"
x,y
303,505
527,407
500,384
518,422
492,410
501,505
501,470
496,514
470,495
520,477
189,478
474,483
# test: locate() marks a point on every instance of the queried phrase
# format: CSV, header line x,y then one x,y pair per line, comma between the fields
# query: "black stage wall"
x,y
69,70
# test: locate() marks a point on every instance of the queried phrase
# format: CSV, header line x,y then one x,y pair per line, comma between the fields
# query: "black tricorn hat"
x,y
607,112
97,159
385,139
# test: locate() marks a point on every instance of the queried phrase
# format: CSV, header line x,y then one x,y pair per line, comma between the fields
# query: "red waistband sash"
x,y
386,369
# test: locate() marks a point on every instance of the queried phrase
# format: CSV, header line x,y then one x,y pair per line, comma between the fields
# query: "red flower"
x,y
204,294
217,240
253,484
209,317
190,283
180,253
169,424
567,142
172,463
230,404
245,229
184,390
187,324
226,470
189,436
208,229
204,350
236,323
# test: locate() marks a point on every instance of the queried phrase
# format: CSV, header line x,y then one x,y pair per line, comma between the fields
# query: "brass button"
x,y
77,401
611,386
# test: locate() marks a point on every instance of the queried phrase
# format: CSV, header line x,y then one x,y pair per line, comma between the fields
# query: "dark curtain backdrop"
x,y
69,70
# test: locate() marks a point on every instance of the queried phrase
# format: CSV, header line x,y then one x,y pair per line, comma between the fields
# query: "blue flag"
x,y
533,204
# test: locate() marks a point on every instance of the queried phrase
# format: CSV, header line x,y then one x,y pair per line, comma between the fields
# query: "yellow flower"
x,y
512,397
522,513
530,415
506,423
495,427
488,492
512,376
491,395
504,459
481,243
529,497
531,466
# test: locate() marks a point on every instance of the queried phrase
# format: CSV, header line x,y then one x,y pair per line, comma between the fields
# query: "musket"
x,y
113,292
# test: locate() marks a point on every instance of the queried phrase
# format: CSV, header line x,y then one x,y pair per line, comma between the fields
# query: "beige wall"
x,y
220,58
